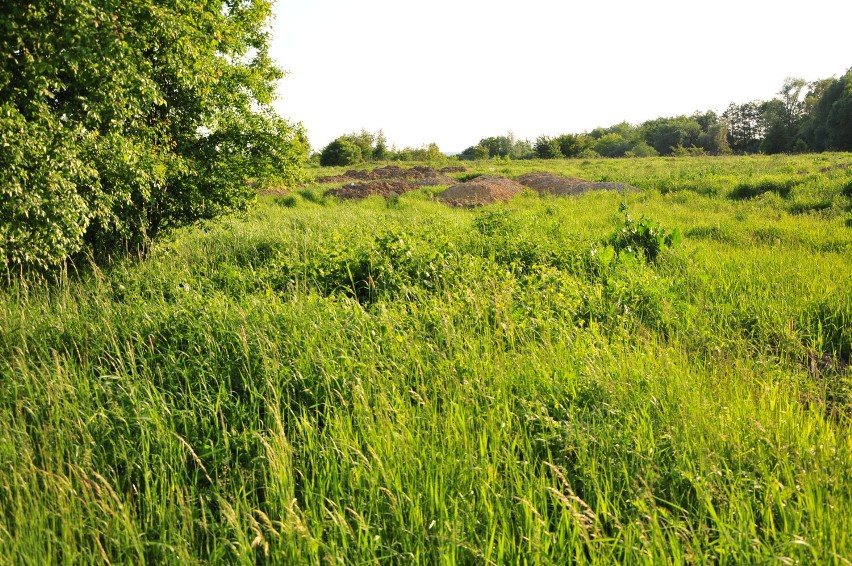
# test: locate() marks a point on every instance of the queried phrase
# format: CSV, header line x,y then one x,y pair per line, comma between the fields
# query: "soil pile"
x,y
550,184
387,181
480,191
388,188
428,175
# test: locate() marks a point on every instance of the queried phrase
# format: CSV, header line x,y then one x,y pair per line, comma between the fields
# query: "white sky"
x,y
456,71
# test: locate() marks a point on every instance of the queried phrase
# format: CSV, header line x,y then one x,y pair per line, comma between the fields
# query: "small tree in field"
x,y
119,120
340,152
547,148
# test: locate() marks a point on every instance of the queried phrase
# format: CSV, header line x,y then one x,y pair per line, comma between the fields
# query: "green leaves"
x,y
120,121
643,236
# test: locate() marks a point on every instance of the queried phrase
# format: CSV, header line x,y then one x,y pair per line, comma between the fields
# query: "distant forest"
x,y
803,117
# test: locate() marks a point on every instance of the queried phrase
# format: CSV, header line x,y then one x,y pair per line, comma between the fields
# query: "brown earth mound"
x,y
385,188
431,175
387,181
480,191
550,184
837,166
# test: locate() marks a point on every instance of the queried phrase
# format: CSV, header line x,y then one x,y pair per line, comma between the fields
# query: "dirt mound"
x,y
388,181
430,175
837,166
550,184
480,191
384,188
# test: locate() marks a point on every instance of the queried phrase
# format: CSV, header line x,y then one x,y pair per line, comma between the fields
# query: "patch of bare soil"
x,y
385,188
480,191
430,175
277,191
837,166
550,184
387,181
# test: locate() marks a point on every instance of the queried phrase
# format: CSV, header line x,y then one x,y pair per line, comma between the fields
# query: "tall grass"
x,y
403,382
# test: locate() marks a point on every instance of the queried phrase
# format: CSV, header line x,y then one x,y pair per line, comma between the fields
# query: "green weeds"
x,y
546,381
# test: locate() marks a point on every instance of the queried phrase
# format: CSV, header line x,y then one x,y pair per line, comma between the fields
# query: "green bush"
x,y
112,130
547,148
340,152
643,236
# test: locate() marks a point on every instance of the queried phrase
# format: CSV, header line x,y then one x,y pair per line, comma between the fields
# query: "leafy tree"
x,y
706,119
829,125
613,145
570,145
547,148
522,149
665,134
380,151
121,120
364,140
779,135
475,152
341,151
792,97
625,130
715,139
498,146
745,126
783,117
429,152
641,149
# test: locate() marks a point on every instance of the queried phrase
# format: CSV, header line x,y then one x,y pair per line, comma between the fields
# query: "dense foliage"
x,y
365,147
120,120
548,381
803,117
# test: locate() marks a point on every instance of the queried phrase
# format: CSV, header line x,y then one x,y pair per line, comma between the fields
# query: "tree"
x,y
475,152
613,145
364,140
665,134
341,151
498,146
715,139
745,126
380,151
779,135
706,119
547,148
829,125
570,145
121,120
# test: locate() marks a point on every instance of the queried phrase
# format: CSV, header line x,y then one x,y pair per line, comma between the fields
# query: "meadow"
x,y
544,381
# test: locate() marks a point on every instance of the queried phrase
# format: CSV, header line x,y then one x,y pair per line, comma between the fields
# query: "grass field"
x,y
401,382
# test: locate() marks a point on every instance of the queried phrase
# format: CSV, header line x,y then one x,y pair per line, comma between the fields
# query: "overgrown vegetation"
x,y
545,381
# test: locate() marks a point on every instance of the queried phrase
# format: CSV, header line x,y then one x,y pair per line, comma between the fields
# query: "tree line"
x,y
364,146
802,117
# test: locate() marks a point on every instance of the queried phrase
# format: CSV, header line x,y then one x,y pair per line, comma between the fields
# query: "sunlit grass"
x,y
404,382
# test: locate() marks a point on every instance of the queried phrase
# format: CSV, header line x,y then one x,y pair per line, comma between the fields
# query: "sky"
x,y
453,72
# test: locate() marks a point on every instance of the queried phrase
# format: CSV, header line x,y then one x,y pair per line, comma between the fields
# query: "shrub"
x,y
644,236
340,152
547,148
